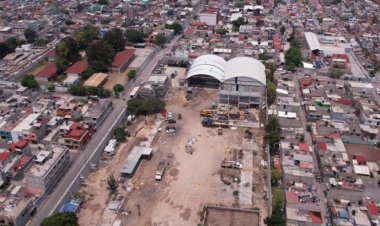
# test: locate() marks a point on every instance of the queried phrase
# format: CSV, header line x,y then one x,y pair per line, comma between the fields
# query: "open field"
x,y
230,217
192,179
116,78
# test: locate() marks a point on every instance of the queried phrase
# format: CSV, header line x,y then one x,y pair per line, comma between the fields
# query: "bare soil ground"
x,y
116,78
370,153
190,181
95,210
218,217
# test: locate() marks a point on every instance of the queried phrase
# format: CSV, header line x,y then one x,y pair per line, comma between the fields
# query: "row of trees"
x,y
293,57
77,89
271,83
144,107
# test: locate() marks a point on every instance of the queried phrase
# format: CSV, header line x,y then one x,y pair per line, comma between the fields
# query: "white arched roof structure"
x,y
245,67
218,68
211,65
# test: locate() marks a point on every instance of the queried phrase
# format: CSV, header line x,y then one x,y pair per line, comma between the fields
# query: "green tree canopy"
x,y
103,2
278,198
293,56
144,107
67,51
118,88
131,74
240,21
86,35
160,39
115,38
272,133
176,27
30,82
30,35
100,56
221,31
61,219
271,92
276,219
134,36
7,47
120,134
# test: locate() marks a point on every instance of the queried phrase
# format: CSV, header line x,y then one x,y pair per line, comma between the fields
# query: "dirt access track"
x,y
191,180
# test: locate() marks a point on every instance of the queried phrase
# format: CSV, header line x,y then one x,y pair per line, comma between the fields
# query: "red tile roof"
x,y
316,217
122,57
306,81
22,162
49,71
4,155
322,146
18,145
78,67
344,101
291,197
372,209
360,159
304,147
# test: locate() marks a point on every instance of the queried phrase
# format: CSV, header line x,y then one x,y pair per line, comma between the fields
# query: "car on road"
x,y
378,90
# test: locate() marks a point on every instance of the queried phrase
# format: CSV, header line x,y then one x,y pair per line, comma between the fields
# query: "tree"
x,y
67,51
240,21
119,134
115,38
61,219
282,29
176,27
112,184
86,35
271,92
30,82
134,36
131,74
118,88
293,56
30,35
221,31
272,133
103,2
8,46
88,72
278,198
144,107
276,219
275,176
77,89
160,39
100,56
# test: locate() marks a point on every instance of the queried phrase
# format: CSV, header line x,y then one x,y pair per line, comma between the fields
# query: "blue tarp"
x,y
343,214
72,206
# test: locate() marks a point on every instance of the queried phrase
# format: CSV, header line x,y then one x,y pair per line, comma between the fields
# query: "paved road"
x,y
64,187
319,186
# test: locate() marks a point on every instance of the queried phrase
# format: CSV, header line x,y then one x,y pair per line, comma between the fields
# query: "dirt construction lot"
x,y
190,181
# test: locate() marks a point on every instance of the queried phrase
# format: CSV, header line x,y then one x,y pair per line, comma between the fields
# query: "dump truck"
x,y
160,170
231,164
207,112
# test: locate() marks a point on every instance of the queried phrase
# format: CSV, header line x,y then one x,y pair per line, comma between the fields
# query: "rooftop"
x,y
46,160
96,79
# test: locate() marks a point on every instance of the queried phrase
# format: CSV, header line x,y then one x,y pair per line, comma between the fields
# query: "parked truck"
x,y
231,164
207,122
110,148
160,170
207,112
